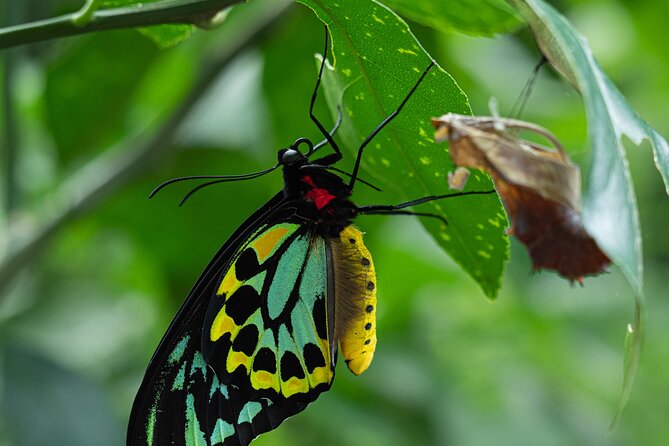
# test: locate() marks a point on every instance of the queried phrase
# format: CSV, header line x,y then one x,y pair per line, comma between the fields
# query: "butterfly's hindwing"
x,y
266,330
191,407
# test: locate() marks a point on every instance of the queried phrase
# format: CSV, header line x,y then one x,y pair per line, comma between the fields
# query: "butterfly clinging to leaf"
x,y
257,338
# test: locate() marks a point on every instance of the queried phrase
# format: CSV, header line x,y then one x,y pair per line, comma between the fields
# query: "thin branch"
x,y
9,134
194,12
9,139
101,178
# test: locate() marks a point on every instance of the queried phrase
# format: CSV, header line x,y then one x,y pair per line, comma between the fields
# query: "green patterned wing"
x,y
267,329
269,278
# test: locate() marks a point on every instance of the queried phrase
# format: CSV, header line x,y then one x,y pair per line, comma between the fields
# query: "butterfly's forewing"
x,y
178,384
251,345
267,326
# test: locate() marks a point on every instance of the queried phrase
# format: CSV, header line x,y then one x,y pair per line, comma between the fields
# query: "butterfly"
x,y
258,336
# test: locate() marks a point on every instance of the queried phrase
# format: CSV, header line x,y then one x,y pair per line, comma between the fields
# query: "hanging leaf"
x,y
377,61
164,36
474,17
610,211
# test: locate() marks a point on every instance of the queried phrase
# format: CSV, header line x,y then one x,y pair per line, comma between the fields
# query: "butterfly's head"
x,y
292,156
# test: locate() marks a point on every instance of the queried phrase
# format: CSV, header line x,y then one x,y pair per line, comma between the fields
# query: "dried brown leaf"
x,y
539,186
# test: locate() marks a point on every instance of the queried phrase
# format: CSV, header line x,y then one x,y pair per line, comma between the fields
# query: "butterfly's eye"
x,y
290,156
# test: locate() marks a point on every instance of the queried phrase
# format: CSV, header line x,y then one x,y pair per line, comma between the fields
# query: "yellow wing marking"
x,y
355,299
265,380
270,240
235,359
223,324
229,284
294,385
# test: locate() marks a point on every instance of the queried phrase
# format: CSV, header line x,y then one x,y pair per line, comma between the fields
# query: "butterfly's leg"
x,y
403,212
333,158
388,209
331,133
383,124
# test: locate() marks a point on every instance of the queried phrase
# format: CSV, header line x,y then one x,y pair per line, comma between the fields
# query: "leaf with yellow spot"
x,y
385,77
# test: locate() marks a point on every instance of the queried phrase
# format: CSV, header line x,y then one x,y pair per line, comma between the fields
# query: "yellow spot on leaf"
x,y
484,254
377,19
495,223
406,51
385,162
347,72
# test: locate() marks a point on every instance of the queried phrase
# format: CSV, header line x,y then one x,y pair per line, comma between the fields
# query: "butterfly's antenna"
x,y
385,122
343,172
328,137
520,103
219,178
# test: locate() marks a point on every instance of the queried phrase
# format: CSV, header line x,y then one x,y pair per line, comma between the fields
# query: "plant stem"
x,y
9,139
102,177
143,14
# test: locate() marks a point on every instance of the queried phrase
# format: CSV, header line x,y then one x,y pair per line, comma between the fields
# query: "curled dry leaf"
x,y
539,186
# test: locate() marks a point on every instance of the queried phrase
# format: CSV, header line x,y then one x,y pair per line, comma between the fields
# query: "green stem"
x,y
102,177
85,14
144,14
9,139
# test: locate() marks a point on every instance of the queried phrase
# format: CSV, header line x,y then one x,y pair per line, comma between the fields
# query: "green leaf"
x,y
633,343
45,404
86,98
377,61
164,36
474,17
610,211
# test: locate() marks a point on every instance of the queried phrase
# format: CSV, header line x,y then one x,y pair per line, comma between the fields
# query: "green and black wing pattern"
x,y
253,344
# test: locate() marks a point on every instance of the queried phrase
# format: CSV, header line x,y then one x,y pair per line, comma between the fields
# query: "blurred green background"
x,y
542,365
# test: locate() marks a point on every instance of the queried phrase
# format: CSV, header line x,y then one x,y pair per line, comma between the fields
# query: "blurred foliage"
x,y
541,365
